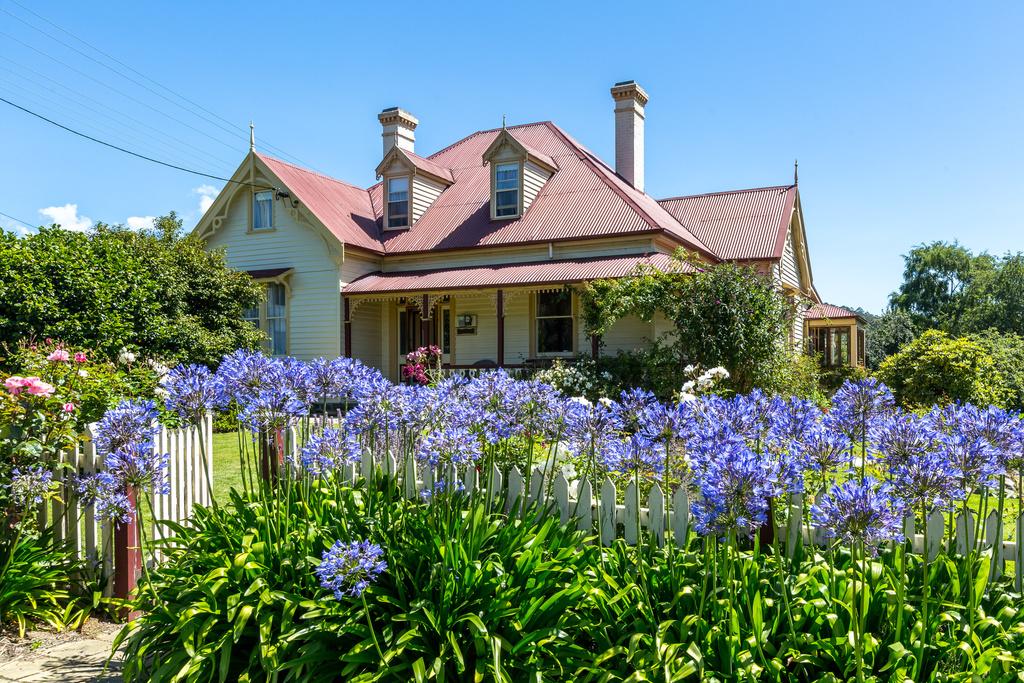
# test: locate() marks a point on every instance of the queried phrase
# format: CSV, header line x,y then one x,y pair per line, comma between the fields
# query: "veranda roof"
x,y
552,272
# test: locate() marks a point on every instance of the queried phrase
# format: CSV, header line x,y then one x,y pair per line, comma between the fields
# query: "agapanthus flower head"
x,y
192,392
826,451
131,423
973,460
793,419
454,445
925,481
856,512
857,406
735,485
900,436
31,485
1003,430
139,466
272,407
634,409
347,569
326,452
592,431
243,374
106,495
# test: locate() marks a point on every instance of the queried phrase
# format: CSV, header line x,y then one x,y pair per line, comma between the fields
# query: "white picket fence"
x,y
75,522
668,520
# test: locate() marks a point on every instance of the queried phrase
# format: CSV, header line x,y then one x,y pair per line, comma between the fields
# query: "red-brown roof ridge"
x,y
310,171
721,192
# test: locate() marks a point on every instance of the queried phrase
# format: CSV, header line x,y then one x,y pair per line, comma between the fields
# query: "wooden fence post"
x,y
127,555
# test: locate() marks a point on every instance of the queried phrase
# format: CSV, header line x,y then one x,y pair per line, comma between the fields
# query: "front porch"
x,y
505,321
836,335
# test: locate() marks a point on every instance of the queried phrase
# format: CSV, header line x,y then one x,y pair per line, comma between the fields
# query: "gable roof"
x,y
419,163
830,312
583,199
344,209
506,136
741,224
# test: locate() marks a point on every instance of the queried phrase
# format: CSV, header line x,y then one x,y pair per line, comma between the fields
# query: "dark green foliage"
x,y
936,368
151,292
35,587
887,334
936,279
723,315
467,595
1007,350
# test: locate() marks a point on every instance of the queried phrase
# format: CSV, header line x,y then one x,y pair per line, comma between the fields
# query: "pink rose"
x,y
14,384
37,387
80,357
59,355
69,407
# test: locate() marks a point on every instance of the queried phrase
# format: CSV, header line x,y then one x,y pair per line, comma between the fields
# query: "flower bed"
x,y
316,573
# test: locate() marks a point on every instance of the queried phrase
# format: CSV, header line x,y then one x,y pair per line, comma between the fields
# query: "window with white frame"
x,y
554,323
263,211
398,202
506,190
277,320
271,316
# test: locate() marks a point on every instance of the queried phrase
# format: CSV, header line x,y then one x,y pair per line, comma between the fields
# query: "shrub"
x,y
1007,350
936,368
887,334
156,294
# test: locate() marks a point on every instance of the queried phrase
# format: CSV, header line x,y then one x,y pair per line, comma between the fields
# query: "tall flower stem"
x,y
373,632
924,595
857,551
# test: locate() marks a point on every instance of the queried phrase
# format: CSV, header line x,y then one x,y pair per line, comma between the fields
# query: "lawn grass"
x,y
226,473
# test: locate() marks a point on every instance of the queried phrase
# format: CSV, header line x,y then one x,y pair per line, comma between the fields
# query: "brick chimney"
x,y
630,100
399,129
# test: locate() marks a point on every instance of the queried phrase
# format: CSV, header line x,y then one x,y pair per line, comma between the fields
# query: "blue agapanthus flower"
x,y
592,430
347,569
925,482
826,451
272,407
243,374
192,391
131,423
454,445
442,487
901,436
30,486
636,454
735,485
973,460
107,496
858,406
140,467
856,512
326,452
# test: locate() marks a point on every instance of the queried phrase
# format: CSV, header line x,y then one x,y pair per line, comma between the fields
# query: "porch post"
x,y
501,328
347,317
595,346
425,321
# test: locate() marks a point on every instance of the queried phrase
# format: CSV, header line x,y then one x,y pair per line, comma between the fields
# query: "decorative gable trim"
x,y
505,137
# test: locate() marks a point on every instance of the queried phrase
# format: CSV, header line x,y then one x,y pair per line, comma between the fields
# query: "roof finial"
x,y
503,122
796,175
252,137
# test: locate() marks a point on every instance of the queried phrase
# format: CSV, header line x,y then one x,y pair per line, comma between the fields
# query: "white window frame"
x,y
537,317
518,190
257,197
262,320
388,202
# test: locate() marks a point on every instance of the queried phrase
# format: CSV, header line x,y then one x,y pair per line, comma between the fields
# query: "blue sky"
x,y
907,118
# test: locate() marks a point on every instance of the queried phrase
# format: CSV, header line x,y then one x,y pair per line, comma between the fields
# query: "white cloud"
x,y
207,193
140,222
67,217
15,227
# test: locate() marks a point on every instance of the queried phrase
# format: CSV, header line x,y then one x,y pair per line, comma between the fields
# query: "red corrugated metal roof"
x,y
344,209
506,275
430,167
829,311
742,224
584,199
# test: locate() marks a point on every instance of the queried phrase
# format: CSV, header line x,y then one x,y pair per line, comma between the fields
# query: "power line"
x,y
233,130
18,220
134,154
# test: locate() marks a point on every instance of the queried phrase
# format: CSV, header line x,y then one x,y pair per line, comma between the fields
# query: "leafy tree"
x,y
936,279
995,298
1007,350
887,334
152,292
723,315
937,368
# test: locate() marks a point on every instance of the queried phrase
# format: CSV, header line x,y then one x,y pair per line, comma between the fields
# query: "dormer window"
x,y
398,202
263,211
518,175
506,190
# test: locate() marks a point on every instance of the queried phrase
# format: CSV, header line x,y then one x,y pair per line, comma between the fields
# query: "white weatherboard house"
x,y
476,248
